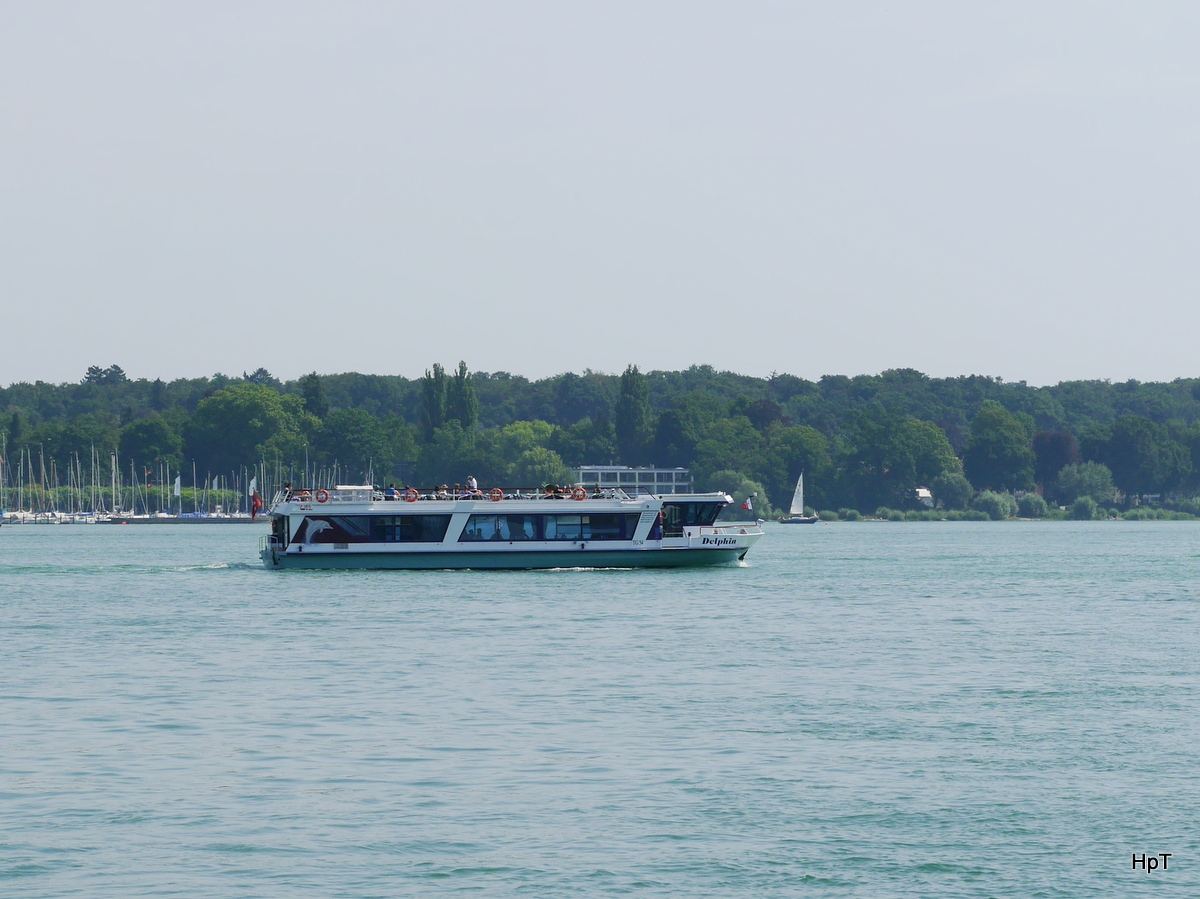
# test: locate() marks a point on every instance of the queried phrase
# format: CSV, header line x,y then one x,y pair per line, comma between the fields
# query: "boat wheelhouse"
x,y
361,527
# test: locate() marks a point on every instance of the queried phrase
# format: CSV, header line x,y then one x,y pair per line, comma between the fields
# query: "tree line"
x,y
865,442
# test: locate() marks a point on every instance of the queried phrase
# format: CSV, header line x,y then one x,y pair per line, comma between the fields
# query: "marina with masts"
x,y
99,488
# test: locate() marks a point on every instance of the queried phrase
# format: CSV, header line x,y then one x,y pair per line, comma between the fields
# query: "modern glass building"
x,y
635,480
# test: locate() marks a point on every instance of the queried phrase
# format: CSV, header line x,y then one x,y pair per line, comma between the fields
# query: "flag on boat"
x,y
253,486
256,505
747,505
179,485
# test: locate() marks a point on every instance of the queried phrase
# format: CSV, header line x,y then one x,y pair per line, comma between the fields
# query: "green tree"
x,y
356,440
498,449
237,425
951,490
998,455
1090,479
402,439
1144,458
288,444
449,458
635,421
1053,451
314,395
891,457
112,375
930,449
158,395
539,466
433,401
790,450
16,431
1188,436
61,441
1084,509
152,439
462,405
732,444
586,443
996,505
682,426
1032,506
261,377
588,396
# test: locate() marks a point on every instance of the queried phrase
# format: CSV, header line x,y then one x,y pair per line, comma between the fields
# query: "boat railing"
x,y
443,493
364,494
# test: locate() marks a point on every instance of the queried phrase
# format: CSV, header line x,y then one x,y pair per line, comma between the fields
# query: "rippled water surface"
x,y
957,709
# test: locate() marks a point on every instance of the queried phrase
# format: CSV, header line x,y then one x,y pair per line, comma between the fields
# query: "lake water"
x,y
956,709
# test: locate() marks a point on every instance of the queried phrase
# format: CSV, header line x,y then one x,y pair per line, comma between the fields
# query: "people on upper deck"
x,y
443,492
472,484
596,493
390,493
287,491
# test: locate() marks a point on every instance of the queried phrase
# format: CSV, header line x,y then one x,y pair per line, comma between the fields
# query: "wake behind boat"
x,y
360,527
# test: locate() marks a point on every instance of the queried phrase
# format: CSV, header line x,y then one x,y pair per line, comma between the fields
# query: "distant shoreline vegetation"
x,y
984,448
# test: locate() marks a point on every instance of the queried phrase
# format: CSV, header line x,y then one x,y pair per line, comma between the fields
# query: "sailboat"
x,y
796,512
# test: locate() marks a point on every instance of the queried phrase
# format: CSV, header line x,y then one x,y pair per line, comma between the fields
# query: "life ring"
x,y
410,495
496,494
322,496
578,493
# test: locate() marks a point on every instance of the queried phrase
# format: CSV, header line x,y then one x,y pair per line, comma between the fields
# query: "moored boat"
x,y
360,527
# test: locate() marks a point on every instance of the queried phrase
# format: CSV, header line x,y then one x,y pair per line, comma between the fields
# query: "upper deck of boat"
x,y
367,498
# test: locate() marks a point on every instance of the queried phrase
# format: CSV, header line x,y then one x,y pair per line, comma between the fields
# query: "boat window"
x,y
564,527
617,526
628,477
411,528
608,477
591,527
500,527
611,527
677,516
333,529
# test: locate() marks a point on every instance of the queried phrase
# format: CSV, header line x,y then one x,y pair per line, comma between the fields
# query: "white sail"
x,y
798,497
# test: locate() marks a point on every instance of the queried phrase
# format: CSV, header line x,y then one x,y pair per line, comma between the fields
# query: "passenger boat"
x,y
361,527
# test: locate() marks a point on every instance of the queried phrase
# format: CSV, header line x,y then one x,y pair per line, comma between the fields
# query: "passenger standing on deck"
x,y
472,484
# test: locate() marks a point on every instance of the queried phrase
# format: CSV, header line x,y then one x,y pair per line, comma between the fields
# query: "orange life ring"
x,y
578,493
496,494
322,496
410,495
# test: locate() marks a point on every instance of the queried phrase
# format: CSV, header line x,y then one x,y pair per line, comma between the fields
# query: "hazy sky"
x,y
1006,189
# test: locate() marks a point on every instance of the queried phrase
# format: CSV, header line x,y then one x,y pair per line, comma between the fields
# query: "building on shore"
x,y
635,480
